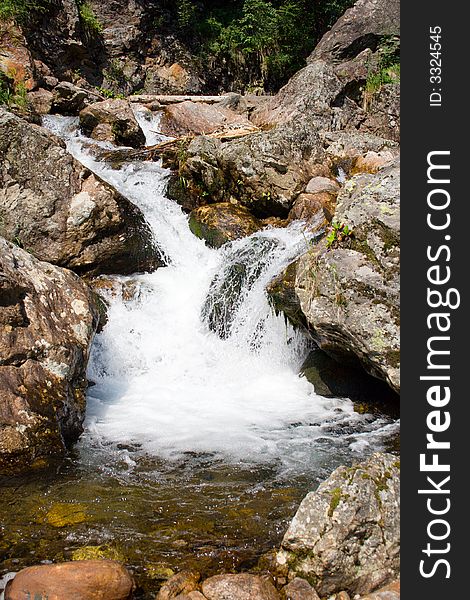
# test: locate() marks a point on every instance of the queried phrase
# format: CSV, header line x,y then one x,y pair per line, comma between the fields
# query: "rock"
x,y
345,149
41,101
331,92
346,535
317,185
102,552
222,222
70,99
389,592
112,121
263,171
173,78
16,61
44,76
335,379
191,596
349,292
63,514
58,210
342,596
48,318
372,162
315,209
299,589
361,26
283,297
198,118
81,580
181,583
238,587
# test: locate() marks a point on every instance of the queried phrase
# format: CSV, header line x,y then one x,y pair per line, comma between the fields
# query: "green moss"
x,y
103,552
62,514
335,500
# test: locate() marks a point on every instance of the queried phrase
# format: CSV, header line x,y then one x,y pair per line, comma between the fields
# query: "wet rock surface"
x,y
222,222
346,535
48,318
55,208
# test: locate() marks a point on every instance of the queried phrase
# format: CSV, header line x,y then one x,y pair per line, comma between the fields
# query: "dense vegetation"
x,y
21,9
264,40
247,45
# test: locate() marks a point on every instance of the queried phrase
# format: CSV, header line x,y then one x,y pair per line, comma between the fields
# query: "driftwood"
x,y
166,100
171,146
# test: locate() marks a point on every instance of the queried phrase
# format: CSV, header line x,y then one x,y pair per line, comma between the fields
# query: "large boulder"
x,y
362,26
263,171
346,534
342,86
222,222
80,580
349,290
199,118
57,209
112,121
47,321
70,99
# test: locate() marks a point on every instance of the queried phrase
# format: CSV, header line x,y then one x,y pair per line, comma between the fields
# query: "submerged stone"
x,y
64,513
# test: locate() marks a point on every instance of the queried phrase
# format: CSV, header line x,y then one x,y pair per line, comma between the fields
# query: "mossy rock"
x,y
103,552
222,222
62,514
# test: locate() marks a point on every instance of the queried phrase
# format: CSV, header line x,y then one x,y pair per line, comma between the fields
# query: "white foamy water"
x,y
196,360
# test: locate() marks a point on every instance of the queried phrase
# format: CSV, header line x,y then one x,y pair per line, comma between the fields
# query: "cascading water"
x,y
196,361
201,438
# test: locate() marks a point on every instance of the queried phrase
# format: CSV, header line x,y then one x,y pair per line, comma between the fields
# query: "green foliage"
x,y
187,12
266,41
88,19
338,233
109,93
20,10
387,70
12,94
5,92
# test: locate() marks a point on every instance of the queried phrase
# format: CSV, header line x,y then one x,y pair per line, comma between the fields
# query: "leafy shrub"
x,y
88,19
20,10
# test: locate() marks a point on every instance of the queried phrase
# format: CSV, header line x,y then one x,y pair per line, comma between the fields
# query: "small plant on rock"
x,y
339,233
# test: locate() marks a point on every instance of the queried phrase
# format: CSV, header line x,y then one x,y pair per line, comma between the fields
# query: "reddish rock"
x,y
317,185
389,592
238,587
299,589
313,208
16,61
198,118
41,100
80,580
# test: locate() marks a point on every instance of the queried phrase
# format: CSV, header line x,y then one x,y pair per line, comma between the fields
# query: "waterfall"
x,y
193,359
